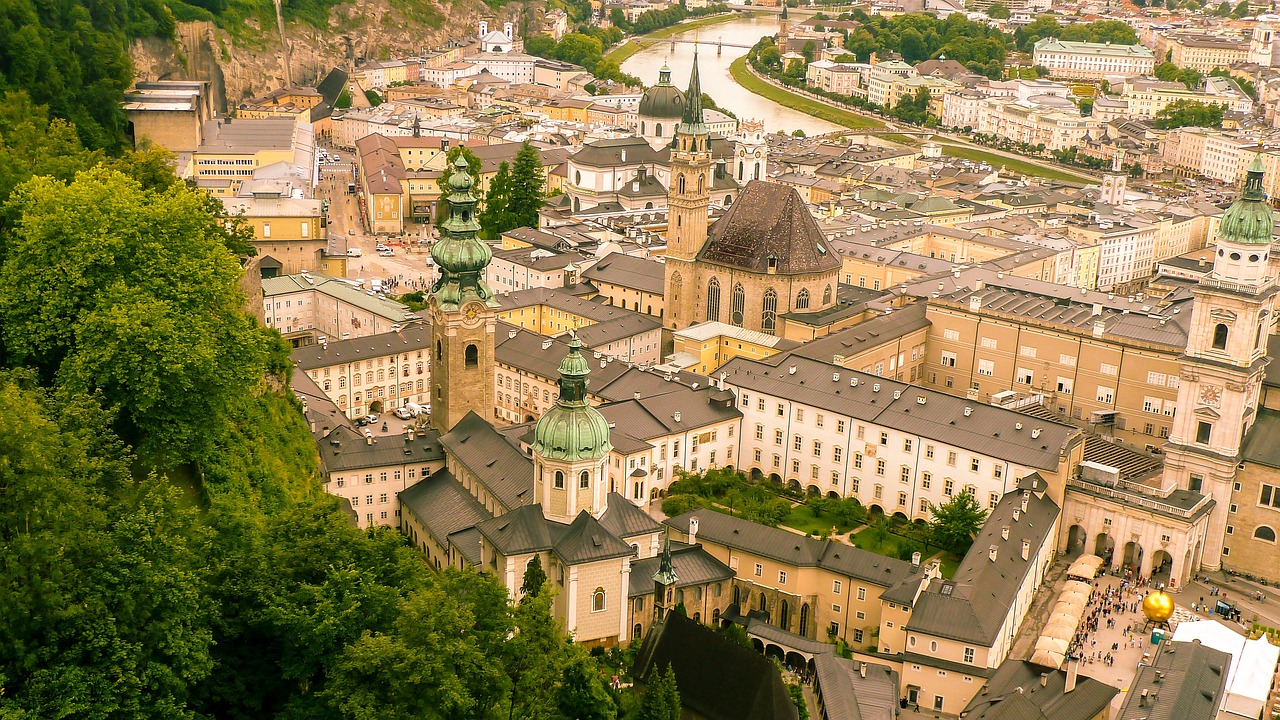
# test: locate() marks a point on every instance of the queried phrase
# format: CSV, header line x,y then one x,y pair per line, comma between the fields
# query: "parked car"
x,y
371,418
355,252
380,247
387,253
361,421
404,413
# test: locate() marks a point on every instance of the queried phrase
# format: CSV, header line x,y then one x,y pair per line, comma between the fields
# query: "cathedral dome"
x,y
572,430
1249,221
663,101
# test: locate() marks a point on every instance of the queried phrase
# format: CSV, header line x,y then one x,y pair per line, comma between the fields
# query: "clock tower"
x,y
1231,315
462,310
688,207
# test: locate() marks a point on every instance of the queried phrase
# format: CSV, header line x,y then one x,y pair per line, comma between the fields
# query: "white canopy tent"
x,y
1085,567
1253,664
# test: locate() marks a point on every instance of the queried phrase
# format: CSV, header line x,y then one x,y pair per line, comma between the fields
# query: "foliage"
x,y
527,185
728,488
1115,32
534,577
797,696
474,165
1169,72
1241,9
736,633
374,98
1244,84
661,699
584,47
956,522
494,216
344,100
998,11
73,57
1188,113
913,109
680,504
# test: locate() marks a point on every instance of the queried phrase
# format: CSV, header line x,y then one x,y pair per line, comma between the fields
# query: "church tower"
x,y
688,203
462,310
664,583
571,447
1226,356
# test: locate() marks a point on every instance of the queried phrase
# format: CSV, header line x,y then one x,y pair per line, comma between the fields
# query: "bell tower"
x,y
1231,314
463,312
688,205
571,447
664,583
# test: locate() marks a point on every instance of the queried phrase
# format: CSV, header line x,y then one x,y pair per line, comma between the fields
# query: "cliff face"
x,y
253,62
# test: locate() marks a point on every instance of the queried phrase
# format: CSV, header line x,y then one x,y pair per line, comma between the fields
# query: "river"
x,y
716,80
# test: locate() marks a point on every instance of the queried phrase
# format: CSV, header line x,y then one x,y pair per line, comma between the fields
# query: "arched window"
x,y
559,480
697,617
635,632
802,300
784,615
701,180
641,127
728,200
577,177
764,603
713,300
741,169
1264,533
439,350
826,295
715,616
326,386
676,283
804,619
739,305
1220,337
584,480
658,132
472,355
342,382
597,600
680,184
769,314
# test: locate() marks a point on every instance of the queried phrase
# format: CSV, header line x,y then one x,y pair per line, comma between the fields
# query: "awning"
x,y
1047,658
1085,567
1077,586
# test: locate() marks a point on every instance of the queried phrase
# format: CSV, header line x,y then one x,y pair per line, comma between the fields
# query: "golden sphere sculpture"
x,y
1157,606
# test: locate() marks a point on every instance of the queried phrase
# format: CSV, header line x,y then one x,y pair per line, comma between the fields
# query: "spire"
x,y
784,11
691,121
459,253
666,574
664,75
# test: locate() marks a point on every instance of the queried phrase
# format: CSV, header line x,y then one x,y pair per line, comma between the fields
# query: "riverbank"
x,y
743,75
640,42
1026,167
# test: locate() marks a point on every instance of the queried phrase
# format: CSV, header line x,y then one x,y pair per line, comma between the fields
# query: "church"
x,y
763,259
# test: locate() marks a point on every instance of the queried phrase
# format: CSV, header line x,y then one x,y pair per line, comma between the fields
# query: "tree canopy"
x,y
1188,113
956,522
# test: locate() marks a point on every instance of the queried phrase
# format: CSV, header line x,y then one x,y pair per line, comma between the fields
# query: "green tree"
x,y
1188,113
1245,85
1167,72
956,522
534,577
31,143
1042,27
580,49
494,216
96,294
998,11
344,100
540,45
1223,10
1241,10
527,185
770,57
583,693
661,698
808,51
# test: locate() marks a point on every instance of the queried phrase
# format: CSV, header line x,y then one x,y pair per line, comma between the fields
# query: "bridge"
x,y
718,45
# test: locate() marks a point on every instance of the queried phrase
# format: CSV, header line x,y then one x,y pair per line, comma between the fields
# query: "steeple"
x,y
459,253
572,430
691,120
663,582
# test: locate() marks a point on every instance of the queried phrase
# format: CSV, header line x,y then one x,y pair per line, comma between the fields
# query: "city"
x,y
640,359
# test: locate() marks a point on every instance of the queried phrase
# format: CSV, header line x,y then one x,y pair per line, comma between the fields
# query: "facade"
x,y
308,308
370,474
373,374
1056,126
287,229
1204,53
1069,60
883,75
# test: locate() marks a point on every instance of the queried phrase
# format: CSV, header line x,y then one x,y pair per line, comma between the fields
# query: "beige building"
x,y
374,374
231,152
288,229
308,308
615,332
704,347
170,113
370,472
1205,52
1069,60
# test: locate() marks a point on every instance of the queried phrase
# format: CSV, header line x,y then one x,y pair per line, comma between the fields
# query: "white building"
x,y
1091,61
883,75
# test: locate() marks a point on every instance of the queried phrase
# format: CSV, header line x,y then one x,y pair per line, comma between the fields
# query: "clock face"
x,y
471,312
1210,395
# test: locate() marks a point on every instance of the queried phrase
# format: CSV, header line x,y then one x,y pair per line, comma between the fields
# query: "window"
x,y
782,577
1106,395
1195,482
1220,337
1270,496
777,437
857,634
817,448
1109,369
738,305
769,315
974,464
928,451
820,420
713,300
926,480
1064,385
989,343
905,474
1203,432
902,499
802,300
472,355
857,461
559,480
835,479
924,506
597,600
879,492
796,443
907,444
951,334
836,586
1068,360
837,453
951,458
993,499
948,358
884,438
862,593
840,426
584,480
880,467
986,367
1027,351
948,487
1264,533
759,570
759,431
1024,376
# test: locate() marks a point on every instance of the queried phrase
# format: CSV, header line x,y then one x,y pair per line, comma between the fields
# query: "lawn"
x,y
636,44
821,110
1020,166
802,519
947,563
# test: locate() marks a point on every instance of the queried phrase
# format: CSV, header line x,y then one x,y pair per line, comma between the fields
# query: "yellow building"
x,y
232,151
704,347
287,229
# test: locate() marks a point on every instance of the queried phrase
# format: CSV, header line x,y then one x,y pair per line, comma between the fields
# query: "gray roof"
x,y
693,566
609,331
628,271
527,530
988,430
345,449
769,220
442,505
794,549
585,540
973,606
341,291
610,153
468,543
847,695
1020,691
505,471
622,518
654,416
866,335
523,530
1262,446
1188,680
411,338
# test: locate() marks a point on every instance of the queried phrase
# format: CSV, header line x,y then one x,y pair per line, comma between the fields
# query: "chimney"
x,y
1072,672
635,395
676,416
991,553
1202,261
1142,700
975,303
693,529
915,559
1099,327
368,438
862,670
408,434
1025,498
622,155
1004,532
1044,680
1035,433
1097,309
1026,549
791,370
1016,514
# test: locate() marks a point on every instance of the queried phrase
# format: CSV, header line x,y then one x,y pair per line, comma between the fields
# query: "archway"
x,y
774,651
833,495
775,478
764,603
784,615
814,491
793,484
529,418
1104,547
1133,556
375,407
876,510
1161,566
756,475
758,645
900,518
1075,540
796,661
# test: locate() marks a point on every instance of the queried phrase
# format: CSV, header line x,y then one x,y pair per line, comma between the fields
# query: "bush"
x,y
680,504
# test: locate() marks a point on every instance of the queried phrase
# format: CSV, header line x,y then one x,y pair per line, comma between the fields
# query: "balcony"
x,y
1125,494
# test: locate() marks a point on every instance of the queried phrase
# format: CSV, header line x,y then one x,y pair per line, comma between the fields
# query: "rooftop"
x,y
413,337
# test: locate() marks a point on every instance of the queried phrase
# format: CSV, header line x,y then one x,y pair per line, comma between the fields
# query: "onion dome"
x,y
1249,221
459,253
571,430
663,101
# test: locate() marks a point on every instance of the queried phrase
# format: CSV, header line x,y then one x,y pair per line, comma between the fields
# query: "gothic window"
x,y
802,300
769,316
559,480
741,169
739,305
676,283
597,600
1220,337
826,296
641,127
584,480
701,180
713,300
680,184
439,350
472,355
728,200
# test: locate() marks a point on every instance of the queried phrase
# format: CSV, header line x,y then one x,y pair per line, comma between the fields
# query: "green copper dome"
x,y
1249,221
662,101
459,253
572,430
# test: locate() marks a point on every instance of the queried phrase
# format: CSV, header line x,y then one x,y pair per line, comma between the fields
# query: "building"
x,y
883,75
1253,527
231,152
1204,53
369,472
309,307
1183,680
169,113
288,231
1069,60
1019,689
1145,97
704,347
628,282
371,374
614,332
1052,122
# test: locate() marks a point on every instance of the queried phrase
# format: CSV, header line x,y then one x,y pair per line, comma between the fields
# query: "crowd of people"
x,y
1108,607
